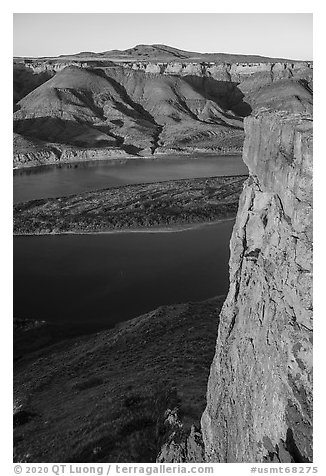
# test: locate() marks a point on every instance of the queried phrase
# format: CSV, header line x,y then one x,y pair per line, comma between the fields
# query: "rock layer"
x,y
223,71
236,72
259,401
146,107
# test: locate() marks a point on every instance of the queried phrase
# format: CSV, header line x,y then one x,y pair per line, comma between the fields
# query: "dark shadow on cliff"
x,y
53,129
126,98
293,449
225,94
26,80
132,128
70,133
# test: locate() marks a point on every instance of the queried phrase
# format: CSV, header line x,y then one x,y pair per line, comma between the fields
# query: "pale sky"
x,y
287,35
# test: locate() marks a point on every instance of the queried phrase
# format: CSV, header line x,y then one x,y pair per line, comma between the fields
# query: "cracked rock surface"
x,y
259,401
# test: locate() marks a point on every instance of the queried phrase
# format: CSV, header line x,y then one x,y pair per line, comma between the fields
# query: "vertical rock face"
x,y
259,401
218,70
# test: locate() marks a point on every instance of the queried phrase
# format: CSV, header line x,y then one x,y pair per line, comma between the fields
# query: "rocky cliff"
x,y
259,401
222,71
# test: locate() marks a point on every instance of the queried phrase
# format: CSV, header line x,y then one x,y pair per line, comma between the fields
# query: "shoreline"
x,y
131,185
162,229
123,159
170,206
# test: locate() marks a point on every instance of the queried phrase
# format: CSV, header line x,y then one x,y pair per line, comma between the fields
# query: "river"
x,y
68,179
108,278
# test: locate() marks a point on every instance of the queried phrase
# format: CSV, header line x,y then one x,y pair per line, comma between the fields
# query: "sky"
x,y
285,35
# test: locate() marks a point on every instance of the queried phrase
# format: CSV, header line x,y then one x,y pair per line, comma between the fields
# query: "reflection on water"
x,y
68,179
114,277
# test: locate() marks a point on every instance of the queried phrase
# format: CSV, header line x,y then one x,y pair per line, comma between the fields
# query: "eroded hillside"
x,y
77,109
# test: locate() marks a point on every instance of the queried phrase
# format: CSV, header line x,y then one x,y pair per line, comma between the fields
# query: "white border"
x,y
168,6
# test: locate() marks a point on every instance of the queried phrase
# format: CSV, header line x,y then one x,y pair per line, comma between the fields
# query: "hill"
x,y
104,397
160,52
125,109
74,108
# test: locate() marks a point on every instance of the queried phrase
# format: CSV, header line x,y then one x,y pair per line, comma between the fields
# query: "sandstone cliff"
x,y
222,71
259,401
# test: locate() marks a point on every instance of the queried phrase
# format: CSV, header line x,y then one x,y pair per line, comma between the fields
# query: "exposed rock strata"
x,y
146,108
259,402
223,71
33,153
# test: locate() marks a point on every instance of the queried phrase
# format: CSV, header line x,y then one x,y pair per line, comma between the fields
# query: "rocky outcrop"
x,y
39,65
180,446
259,401
235,72
56,154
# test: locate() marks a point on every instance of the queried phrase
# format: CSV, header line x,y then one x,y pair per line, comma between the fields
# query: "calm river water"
x,y
67,179
114,277
109,278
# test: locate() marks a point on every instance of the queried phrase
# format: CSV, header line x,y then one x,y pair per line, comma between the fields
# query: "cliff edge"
x,y
259,400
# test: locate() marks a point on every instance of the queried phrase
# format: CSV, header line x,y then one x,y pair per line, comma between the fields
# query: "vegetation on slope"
x,y
104,397
158,204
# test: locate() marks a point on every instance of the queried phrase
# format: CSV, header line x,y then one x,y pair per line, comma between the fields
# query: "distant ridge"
x,y
165,53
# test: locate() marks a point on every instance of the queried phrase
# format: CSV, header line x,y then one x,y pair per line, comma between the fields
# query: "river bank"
x,y
162,229
51,155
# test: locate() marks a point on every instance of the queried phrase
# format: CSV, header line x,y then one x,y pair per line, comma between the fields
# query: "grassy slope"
x,y
103,397
133,206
